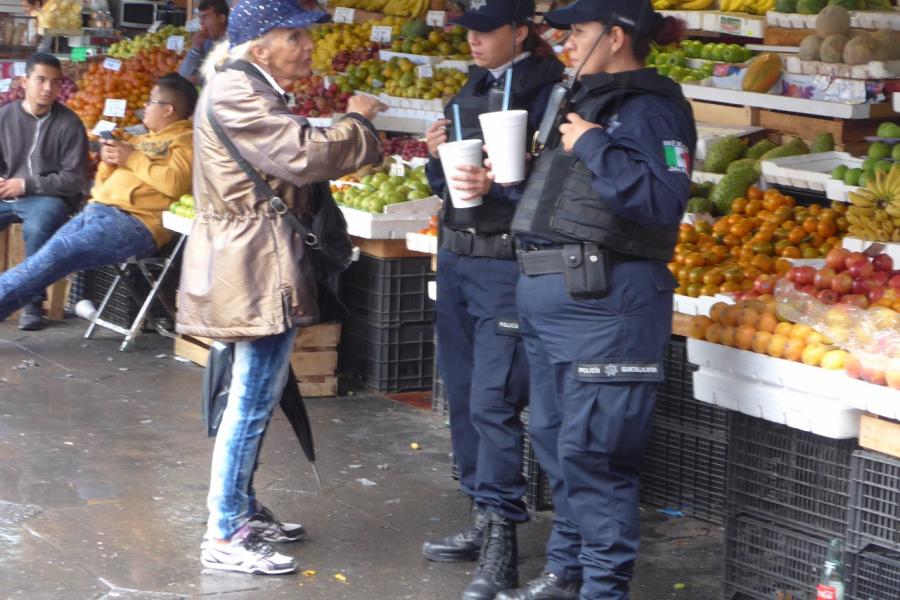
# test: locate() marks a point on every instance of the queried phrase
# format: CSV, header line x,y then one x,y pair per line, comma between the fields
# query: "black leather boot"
x,y
498,568
546,587
464,546
32,316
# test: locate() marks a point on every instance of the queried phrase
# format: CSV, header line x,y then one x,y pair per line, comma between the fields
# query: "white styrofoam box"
x,y
875,19
698,306
761,367
412,163
704,176
791,20
875,399
419,59
435,105
402,122
818,108
707,133
828,417
896,96
892,249
421,242
432,290
835,189
177,223
876,69
321,121
394,223
808,171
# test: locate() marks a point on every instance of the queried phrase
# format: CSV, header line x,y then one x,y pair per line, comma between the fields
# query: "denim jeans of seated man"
x,y
258,376
40,216
98,236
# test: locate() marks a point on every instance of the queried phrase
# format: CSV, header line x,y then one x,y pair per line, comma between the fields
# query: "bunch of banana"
x,y
407,8
696,4
734,5
665,4
874,212
760,7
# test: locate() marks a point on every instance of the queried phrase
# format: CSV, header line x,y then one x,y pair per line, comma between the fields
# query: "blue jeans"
x,y
258,376
40,216
96,237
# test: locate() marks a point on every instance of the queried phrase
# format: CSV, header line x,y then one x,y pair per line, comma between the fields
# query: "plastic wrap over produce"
x,y
871,334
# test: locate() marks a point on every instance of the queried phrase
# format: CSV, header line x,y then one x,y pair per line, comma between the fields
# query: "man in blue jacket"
x,y
213,15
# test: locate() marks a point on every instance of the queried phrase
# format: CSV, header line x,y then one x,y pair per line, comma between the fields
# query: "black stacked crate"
x,y
875,574
387,341
122,309
788,496
539,495
684,466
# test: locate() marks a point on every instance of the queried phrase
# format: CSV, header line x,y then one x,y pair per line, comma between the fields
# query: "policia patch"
x,y
619,371
507,327
678,159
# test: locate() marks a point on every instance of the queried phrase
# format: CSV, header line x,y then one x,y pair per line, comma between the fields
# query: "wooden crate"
x,y
724,114
385,248
880,435
194,349
12,252
680,324
323,335
845,131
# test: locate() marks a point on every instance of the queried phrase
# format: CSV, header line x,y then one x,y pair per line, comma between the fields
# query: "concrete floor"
x,y
104,467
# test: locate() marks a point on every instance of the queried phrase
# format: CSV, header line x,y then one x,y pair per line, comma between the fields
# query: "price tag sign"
x,y
344,15
382,33
730,25
111,64
327,81
175,43
18,69
436,18
424,72
102,126
79,54
193,25
398,169
155,27
115,108
5,84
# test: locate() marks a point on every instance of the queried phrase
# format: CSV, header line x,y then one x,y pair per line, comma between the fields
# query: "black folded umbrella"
x,y
217,382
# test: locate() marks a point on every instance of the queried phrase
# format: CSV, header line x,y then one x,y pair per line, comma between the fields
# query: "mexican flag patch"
x,y
678,159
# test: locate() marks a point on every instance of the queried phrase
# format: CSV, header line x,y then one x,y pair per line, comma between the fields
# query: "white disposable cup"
x,y
504,134
86,310
453,155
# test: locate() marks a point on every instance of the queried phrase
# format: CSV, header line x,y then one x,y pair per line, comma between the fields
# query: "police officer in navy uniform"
x,y
480,354
597,223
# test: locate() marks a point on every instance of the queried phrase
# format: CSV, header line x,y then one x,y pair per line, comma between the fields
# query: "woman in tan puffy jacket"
x,y
247,277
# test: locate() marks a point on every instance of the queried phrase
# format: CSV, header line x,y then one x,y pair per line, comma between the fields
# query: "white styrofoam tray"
x,y
892,249
827,417
421,242
419,59
698,306
858,20
707,133
875,399
394,223
177,223
835,189
807,171
803,106
876,69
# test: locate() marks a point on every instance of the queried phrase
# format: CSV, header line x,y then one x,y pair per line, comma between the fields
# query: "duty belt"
x,y
464,243
551,260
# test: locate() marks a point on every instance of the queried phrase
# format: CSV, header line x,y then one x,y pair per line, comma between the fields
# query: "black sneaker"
x,y
245,553
269,529
32,317
546,587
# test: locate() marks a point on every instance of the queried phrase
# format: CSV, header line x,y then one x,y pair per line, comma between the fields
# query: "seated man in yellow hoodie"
x,y
134,185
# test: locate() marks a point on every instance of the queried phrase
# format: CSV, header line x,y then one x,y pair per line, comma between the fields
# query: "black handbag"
x,y
327,236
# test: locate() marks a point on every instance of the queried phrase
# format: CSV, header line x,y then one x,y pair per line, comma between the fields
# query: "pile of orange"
x,y
760,236
131,83
753,325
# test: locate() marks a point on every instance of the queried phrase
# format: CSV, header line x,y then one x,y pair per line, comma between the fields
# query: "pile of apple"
x,y
313,99
345,58
183,207
406,148
851,278
381,189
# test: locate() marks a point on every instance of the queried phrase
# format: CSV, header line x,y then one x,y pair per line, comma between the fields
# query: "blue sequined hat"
x,y
251,19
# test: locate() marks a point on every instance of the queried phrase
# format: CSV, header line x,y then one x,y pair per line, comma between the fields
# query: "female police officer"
x,y
480,355
595,226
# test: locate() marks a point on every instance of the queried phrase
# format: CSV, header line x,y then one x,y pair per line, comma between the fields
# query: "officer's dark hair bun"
x,y
665,31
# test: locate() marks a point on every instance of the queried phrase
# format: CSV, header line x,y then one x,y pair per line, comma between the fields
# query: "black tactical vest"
x,y
530,76
560,206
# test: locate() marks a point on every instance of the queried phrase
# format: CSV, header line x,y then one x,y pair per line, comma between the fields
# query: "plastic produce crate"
x,y
122,309
767,561
389,291
792,476
875,502
539,494
875,575
685,471
388,359
675,403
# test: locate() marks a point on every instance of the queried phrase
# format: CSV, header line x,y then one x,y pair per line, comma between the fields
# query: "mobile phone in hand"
x,y
107,135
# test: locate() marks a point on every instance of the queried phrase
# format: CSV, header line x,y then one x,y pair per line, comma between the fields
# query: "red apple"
x,y
894,282
841,283
853,366
860,269
855,300
883,262
854,257
860,286
809,289
880,278
873,375
823,278
837,259
764,284
828,296
875,294
805,275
